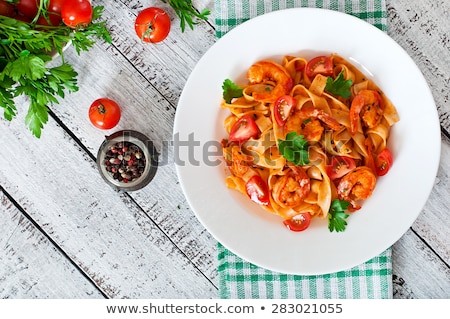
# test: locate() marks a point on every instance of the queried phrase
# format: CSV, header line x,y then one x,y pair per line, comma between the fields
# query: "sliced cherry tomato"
x,y
257,190
299,222
152,25
319,65
76,13
339,166
104,113
383,162
243,129
282,108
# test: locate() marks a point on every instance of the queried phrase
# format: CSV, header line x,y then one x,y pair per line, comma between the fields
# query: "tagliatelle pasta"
x,y
326,106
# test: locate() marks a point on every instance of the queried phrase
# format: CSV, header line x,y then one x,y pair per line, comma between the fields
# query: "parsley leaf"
x,y
336,216
231,90
339,86
294,148
187,13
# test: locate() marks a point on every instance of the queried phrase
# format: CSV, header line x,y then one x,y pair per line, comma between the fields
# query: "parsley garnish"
x,y
231,90
187,13
339,86
336,216
294,149
24,53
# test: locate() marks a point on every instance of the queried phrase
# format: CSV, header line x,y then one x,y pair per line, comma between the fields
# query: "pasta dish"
x,y
307,138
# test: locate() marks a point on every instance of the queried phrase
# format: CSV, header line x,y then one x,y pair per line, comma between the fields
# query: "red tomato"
x,y
257,190
104,113
54,12
299,222
243,129
6,9
28,8
152,25
282,108
76,13
383,162
319,65
339,166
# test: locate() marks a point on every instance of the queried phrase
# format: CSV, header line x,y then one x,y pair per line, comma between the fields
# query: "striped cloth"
x,y
241,279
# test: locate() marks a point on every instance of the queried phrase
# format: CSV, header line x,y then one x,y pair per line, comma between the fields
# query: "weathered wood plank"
x,y
106,234
422,28
31,266
412,279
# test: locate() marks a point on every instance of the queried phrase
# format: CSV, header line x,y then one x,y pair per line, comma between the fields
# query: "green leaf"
x,y
36,117
337,216
186,12
231,90
30,67
339,86
294,148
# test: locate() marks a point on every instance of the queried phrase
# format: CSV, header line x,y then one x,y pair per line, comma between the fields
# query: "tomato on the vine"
x,y
54,13
104,113
76,13
6,9
152,25
28,8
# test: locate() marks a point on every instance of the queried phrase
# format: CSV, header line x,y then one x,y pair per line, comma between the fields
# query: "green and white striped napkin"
x,y
241,279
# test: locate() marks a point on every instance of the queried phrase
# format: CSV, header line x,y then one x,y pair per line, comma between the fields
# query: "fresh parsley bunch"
x,y
24,53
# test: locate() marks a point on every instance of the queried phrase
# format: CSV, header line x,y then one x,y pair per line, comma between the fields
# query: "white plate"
x,y
260,237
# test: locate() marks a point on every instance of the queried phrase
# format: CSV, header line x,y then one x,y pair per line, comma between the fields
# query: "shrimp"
x,y
292,188
357,185
368,107
268,71
240,162
307,122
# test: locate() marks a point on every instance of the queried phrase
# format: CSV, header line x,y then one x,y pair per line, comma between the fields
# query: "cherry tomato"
x,y
28,8
257,190
104,113
383,162
282,108
54,13
299,222
76,13
6,9
339,166
243,129
319,65
152,25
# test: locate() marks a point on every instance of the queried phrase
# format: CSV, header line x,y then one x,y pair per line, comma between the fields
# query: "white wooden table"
x,y
64,233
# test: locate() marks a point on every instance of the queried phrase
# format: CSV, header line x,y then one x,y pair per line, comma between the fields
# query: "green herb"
x,y
187,13
339,86
231,90
294,148
24,53
337,216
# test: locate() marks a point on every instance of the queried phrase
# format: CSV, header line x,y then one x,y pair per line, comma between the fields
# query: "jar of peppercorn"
x,y
127,160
